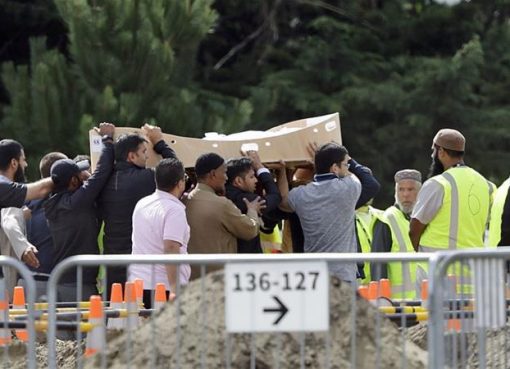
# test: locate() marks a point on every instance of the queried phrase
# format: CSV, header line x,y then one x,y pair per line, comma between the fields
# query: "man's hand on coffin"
x,y
257,205
278,166
105,129
153,133
255,160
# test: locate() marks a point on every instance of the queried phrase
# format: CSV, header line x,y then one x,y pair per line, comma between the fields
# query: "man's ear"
x,y
74,181
130,156
441,153
238,181
333,168
14,163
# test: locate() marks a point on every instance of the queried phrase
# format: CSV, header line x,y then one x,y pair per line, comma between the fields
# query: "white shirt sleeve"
x,y
175,226
13,224
429,201
262,170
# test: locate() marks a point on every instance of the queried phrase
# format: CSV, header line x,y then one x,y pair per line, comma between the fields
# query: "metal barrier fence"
x,y
479,305
266,297
29,282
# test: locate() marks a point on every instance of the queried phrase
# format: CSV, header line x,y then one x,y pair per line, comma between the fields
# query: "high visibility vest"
x,y
271,242
364,229
460,222
497,213
401,275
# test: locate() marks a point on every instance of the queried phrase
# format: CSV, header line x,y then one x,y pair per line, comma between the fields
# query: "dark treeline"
x,y
397,71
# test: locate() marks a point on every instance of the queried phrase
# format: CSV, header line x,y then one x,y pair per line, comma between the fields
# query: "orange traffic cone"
x,y
131,306
139,291
385,288
160,296
373,290
424,294
363,292
96,338
452,324
18,302
116,302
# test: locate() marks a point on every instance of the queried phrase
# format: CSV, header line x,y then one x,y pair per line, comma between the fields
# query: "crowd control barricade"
x,y
469,288
267,310
26,316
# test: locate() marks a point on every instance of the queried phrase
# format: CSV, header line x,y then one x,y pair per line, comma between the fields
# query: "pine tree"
x,y
130,62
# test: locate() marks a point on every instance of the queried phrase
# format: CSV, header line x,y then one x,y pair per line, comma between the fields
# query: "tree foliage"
x,y
397,71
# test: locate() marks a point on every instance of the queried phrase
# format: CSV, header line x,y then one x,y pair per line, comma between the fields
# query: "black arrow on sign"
x,y
282,309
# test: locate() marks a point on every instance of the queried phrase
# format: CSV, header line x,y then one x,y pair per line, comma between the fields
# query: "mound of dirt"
x,y
207,342
418,335
16,356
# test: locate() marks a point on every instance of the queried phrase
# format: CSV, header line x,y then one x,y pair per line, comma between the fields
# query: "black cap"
x,y
64,169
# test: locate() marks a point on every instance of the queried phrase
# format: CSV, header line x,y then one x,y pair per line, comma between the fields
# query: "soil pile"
x,y
418,335
207,342
16,355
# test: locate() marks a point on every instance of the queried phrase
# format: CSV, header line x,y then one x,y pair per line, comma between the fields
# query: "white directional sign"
x,y
284,297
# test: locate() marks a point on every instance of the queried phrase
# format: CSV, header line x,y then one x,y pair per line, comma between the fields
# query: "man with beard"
x,y
391,234
13,193
452,209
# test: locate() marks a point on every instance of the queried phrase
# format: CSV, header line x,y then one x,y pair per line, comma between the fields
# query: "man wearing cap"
x,y
215,222
72,213
452,209
391,234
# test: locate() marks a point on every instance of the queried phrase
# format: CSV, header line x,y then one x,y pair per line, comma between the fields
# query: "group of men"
x,y
455,209
147,211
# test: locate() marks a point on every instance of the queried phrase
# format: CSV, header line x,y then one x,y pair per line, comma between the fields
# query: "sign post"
x,y
277,297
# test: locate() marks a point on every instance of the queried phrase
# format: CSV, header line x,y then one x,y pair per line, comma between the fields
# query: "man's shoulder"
x,y
133,172
6,184
198,195
236,194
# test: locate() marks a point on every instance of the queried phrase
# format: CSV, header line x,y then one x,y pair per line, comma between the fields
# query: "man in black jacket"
x,y
72,214
243,175
129,182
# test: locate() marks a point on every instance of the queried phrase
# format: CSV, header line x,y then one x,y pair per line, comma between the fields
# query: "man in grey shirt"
x,y
326,206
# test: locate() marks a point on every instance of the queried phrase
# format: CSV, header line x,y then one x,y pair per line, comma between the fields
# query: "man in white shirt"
x,y
160,227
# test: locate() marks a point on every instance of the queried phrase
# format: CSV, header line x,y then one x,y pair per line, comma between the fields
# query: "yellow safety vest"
x,y
364,230
401,275
497,213
460,222
271,241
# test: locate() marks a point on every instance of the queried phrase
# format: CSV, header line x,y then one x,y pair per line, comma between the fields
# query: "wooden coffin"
x,y
286,142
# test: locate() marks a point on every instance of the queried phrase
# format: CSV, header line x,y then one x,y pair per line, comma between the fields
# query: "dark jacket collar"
x,y
123,165
324,177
